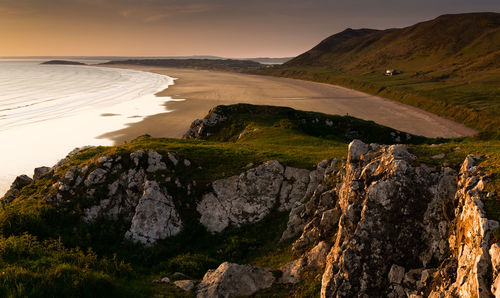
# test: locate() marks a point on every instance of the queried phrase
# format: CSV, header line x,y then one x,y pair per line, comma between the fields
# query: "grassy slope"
x,y
46,252
451,66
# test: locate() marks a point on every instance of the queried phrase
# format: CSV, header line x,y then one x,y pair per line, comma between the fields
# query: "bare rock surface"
x,y
201,128
155,216
19,183
252,195
395,228
234,280
186,285
140,194
473,258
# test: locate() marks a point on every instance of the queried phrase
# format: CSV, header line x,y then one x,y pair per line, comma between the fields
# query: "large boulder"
x,y
233,280
155,216
249,197
19,183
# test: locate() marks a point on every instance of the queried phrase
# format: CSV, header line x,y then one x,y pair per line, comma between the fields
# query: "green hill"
x,y
449,66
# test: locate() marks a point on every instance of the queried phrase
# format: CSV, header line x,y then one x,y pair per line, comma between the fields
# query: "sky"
x,y
227,28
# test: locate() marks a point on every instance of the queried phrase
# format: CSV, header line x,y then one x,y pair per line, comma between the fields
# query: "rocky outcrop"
x,y
233,280
202,128
252,195
142,194
377,224
312,260
470,261
186,284
155,216
19,183
393,227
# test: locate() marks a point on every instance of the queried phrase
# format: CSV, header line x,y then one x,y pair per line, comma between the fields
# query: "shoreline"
x,y
203,90
44,118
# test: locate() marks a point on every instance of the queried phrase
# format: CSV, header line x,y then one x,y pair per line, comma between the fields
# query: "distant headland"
x,y
62,62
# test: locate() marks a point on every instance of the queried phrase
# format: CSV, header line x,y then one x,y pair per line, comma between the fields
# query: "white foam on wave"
x,y
47,110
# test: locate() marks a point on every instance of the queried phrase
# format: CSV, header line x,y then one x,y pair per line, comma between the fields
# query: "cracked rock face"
x,y
140,194
20,182
394,228
233,280
201,128
472,258
252,195
155,216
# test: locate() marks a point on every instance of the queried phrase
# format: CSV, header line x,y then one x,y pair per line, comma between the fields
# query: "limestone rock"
x,y
154,162
314,259
202,128
164,280
356,149
469,238
233,280
19,183
186,285
95,177
495,262
155,216
40,172
396,274
242,199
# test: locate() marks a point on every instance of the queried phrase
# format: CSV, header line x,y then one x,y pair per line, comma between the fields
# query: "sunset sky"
x,y
229,28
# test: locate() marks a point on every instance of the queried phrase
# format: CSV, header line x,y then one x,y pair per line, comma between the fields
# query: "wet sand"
x,y
203,90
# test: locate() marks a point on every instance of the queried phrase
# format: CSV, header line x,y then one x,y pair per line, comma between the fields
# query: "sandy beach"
x,y
203,90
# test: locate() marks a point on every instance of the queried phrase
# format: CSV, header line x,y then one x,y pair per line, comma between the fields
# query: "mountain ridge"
x,y
453,33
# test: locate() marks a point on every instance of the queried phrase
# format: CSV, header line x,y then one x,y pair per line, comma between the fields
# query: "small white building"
x,y
390,72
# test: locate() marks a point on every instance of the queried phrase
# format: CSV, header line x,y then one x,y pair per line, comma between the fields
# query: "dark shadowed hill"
x,y
458,42
62,62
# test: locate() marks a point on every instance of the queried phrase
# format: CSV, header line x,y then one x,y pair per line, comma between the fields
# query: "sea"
x,y
48,110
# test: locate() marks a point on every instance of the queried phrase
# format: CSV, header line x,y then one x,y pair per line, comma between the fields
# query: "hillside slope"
x,y
450,42
450,65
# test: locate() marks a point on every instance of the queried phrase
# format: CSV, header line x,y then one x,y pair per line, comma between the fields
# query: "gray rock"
x,y
164,280
173,158
438,156
241,199
155,216
233,280
202,128
356,149
312,260
19,183
495,262
186,285
40,172
95,177
136,156
154,162
294,187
